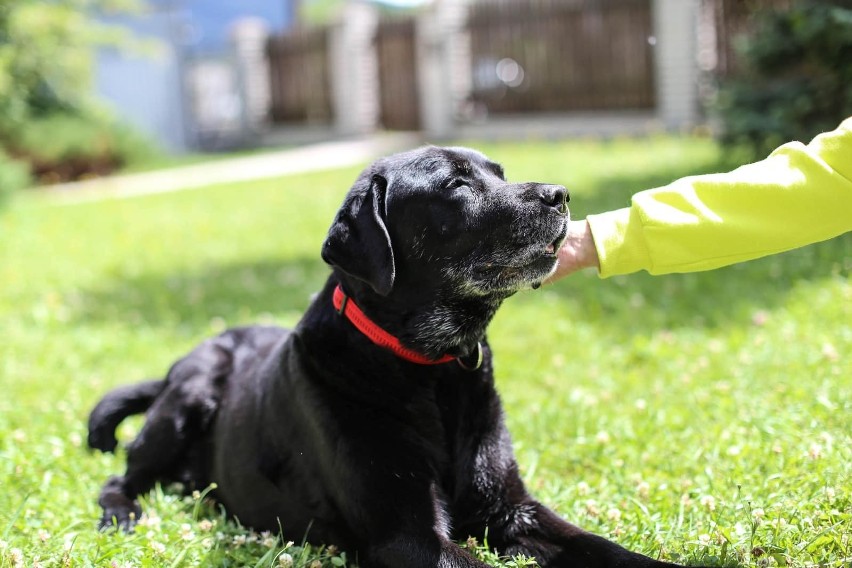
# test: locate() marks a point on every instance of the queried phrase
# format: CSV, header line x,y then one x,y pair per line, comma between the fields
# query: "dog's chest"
x,y
471,427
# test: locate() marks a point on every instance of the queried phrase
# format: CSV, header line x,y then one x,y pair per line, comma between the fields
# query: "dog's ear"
x,y
358,242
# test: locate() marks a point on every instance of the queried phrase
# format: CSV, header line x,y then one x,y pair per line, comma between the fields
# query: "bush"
x,y
47,53
46,66
64,146
14,175
796,80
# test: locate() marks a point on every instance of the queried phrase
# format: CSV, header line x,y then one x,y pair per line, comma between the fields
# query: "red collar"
x,y
346,307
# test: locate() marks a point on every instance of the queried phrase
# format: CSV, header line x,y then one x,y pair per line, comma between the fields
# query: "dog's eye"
x,y
456,183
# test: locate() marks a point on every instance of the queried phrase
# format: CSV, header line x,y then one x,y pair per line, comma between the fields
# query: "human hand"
x,y
577,252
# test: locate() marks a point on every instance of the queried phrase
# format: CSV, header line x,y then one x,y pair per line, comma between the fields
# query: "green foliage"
x,y
319,12
46,54
47,117
796,80
702,417
327,12
62,146
14,175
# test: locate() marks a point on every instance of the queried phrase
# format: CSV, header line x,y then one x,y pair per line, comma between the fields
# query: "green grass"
x,y
704,418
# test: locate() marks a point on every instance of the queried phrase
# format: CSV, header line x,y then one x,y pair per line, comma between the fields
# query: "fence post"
x,y
354,69
248,42
676,61
444,53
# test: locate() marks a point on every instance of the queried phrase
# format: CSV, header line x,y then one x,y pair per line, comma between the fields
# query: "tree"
x,y
797,76
47,53
49,122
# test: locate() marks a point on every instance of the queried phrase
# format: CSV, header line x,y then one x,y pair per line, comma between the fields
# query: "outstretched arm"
x,y
800,194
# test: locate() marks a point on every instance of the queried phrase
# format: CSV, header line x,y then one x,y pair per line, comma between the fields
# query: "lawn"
x,y
702,418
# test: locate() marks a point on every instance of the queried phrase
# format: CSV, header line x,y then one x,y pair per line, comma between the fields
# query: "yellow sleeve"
x,y
797,196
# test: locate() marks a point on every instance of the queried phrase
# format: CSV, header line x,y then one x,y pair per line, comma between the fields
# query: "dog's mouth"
x,y
525,268
552,248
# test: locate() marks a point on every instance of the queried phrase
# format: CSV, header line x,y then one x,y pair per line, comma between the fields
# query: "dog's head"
x,y
446,218
443,225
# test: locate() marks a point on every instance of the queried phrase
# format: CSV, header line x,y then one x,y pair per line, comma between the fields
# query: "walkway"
x,y
311,158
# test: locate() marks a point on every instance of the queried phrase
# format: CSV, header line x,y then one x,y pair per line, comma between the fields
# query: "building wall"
x,y
144,88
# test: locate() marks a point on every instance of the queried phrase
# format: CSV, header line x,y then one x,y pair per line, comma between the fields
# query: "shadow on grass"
x,y
640,303
237,293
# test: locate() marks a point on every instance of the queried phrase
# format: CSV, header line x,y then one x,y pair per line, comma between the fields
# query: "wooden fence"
x,y
562,55
557,55
399,101
300,77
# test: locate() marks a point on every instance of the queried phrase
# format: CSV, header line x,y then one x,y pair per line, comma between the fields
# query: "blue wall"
x,y
145,90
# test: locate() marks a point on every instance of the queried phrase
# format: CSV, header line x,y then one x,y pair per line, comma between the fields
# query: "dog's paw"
x,y
123,520
121,513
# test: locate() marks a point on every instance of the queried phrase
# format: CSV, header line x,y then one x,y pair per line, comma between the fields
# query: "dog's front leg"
x,y
412,531
419,551
531,529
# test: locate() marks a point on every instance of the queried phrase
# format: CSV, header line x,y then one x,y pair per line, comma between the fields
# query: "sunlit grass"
x,y
702,418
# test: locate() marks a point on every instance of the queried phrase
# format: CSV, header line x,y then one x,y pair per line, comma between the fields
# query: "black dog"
x,y
374,424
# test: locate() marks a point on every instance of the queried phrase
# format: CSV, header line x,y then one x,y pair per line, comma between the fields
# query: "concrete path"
x,y
276,163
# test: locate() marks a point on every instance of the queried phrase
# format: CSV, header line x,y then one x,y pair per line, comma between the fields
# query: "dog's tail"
x,y
117,405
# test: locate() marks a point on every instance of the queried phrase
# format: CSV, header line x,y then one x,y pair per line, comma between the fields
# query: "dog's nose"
x,y
554,196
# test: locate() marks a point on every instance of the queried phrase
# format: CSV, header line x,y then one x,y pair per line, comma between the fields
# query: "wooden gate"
x,y
398,95
299,76
562,55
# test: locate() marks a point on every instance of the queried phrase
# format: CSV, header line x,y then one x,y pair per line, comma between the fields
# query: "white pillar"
x,y
354,69
676,61
444,70
248,41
